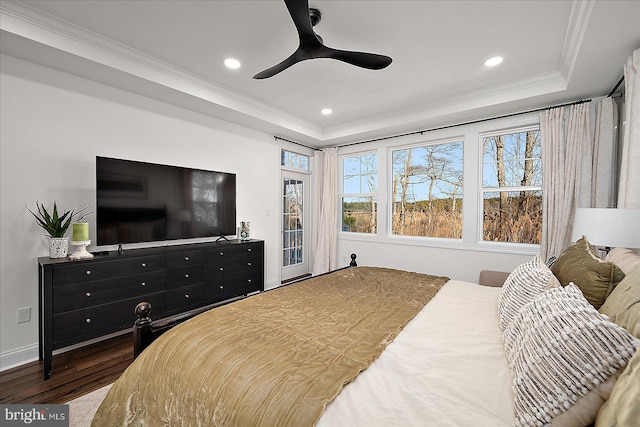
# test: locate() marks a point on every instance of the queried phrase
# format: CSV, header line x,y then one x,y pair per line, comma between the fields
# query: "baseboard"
x,y
19,356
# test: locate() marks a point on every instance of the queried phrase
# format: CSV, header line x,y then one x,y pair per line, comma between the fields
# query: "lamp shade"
x,y
608,227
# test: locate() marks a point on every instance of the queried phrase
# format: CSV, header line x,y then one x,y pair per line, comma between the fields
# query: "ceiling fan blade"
x,y
297,56
311,45
371,61
299,11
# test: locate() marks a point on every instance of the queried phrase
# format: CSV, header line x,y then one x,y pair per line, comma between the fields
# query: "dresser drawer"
x,y
80,272
232,251
185,296
179,277
82,295
138,265
80,325
249,281
218,291
83,272
185,258
241,284
219,269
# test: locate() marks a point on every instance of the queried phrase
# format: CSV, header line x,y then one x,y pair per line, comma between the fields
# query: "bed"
x,y
368,346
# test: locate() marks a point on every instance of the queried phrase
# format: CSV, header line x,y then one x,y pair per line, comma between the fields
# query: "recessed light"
x,y
492,62
232,63
326,111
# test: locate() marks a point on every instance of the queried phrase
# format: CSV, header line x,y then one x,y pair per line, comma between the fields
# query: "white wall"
x,y
53,126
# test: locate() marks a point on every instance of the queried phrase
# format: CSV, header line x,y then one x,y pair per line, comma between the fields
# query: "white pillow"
x,y
560,348
525,282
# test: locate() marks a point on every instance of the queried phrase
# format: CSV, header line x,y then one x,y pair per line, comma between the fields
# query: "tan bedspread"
x,y
277,358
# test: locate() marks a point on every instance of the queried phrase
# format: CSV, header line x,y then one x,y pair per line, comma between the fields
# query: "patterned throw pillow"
x,y
559,349
525,282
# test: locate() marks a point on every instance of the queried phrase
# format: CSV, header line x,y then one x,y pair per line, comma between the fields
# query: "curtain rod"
x,y
582,101
294,142
616,87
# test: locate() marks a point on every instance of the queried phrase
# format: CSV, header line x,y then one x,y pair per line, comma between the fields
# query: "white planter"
x,y
58,247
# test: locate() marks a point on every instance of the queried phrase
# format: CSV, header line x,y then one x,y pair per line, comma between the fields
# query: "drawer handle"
x,y
249,264
221,287
186,275
221,269
186,258
88,272
249,250
249,280
143,284
88,294
186,295
88,320
144,264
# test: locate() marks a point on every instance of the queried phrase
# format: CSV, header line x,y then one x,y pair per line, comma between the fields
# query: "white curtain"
x,y
325,255
564,142
629,186
604,155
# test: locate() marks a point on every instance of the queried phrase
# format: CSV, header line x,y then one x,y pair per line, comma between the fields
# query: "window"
x,y
292,160
359,187
293,220
427,191
512,186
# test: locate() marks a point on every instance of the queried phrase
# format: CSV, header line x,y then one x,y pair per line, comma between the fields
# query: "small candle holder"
x,y
81,250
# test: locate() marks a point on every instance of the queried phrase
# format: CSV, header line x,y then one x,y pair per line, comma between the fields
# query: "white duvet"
x,y
446,368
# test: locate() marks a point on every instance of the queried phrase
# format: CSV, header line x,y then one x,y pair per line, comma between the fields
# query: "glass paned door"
x,y
294,225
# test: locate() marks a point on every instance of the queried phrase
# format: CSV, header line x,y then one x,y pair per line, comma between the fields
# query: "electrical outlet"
x,y
24,315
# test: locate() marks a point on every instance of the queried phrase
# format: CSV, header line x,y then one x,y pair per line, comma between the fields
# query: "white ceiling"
x,y
554,51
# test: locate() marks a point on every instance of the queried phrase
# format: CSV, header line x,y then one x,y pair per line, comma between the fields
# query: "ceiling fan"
x,y
311,45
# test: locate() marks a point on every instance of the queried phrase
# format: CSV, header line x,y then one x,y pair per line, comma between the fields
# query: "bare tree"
x,y
528,173
504,197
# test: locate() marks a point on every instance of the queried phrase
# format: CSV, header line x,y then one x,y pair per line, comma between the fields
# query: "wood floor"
x,y
73,373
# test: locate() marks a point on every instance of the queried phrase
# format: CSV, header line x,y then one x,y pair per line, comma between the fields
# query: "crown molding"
x,y
576,29
541,84
34,25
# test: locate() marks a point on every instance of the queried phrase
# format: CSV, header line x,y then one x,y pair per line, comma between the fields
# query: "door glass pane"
x,y
292,222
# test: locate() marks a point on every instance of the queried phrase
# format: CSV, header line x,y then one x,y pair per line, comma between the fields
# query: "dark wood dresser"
x,y
88,299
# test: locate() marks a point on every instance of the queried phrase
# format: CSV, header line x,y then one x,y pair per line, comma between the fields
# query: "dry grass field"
x,y
519,221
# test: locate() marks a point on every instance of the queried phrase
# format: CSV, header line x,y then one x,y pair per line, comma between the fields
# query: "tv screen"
x,y
145,202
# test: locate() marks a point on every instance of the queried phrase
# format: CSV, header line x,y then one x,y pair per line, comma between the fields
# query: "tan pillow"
x,y
623,406
624,258
585,410
595,278
623,305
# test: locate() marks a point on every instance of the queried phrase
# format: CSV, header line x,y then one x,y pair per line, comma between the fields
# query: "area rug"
x,y
82,409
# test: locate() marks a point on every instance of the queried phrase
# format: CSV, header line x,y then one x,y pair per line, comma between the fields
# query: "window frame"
x,y
292,168
422,143
342,194
482,190
472,173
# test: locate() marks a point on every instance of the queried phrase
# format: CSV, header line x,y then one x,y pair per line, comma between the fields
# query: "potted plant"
x,y
56,226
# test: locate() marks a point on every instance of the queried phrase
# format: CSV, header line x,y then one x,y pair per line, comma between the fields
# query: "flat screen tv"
x,y
146,202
